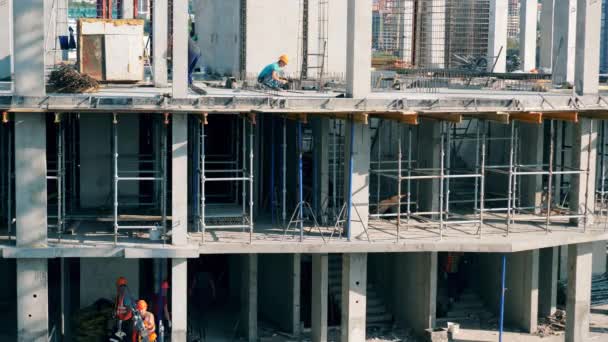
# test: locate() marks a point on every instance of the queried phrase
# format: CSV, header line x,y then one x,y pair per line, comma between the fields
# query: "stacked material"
x,y
552,325
599,290
91,323
66,79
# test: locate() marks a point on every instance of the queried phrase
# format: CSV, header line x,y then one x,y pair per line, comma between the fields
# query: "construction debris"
x,y
552,325
66,79
92,323
599,290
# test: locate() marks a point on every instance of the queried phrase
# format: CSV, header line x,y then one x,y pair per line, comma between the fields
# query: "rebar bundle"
x,y
66,79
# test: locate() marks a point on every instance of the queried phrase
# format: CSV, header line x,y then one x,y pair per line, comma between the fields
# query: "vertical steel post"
x,y
163,163
272,199
350,178
203,177
510,187
115,155
284,177
251,132
399,179
550,180
300,183
502,297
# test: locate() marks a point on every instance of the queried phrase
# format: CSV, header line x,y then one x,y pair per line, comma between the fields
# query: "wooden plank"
x,y
450,117
599,114
498,117
563,116
531,117
409,118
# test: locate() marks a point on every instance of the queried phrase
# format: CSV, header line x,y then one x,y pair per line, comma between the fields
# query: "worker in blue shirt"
x,y
270,76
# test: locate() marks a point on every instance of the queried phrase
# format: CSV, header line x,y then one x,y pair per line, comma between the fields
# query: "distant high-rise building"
x,y
513,20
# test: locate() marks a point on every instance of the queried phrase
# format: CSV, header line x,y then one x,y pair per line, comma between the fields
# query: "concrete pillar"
x,y
179,180
128,9
358,48
429,156
528,15
415,290
406,30
564,42
66,300
547,281
599,257
30,179
582,188
180,49
159,43
546,33
563,262
432,35
320,288
587,64
578,297
521,303
320,131
497,35
360,177
28,43
354,297
32,300
6,35
532,136
179,299
249,297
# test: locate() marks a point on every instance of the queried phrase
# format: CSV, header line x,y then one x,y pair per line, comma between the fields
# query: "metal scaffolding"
x,y
56,173
235,168
149,168
601,192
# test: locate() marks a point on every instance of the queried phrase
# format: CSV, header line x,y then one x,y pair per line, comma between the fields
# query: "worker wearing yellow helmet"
x,y
271,77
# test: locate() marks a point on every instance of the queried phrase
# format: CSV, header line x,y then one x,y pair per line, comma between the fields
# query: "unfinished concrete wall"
x,y
96,172
335,61
6,23
98,278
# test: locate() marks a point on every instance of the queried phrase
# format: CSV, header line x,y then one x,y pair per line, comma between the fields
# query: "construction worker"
x,y
270,75
123,308
161,307
453,276
147,331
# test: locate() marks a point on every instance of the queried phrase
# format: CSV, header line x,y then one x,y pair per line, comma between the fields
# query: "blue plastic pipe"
x,y
350,177
502,298
272,169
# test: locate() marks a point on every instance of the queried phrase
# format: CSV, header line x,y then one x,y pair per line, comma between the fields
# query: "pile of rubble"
x,y
552,325
66,79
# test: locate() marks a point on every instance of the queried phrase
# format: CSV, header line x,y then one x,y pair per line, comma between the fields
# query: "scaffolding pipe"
x,y
502,297
350,178
300,183
203,177
550,180
115,169
272,200
284,176
250,182
399,157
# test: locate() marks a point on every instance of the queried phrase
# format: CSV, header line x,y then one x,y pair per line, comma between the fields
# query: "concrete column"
x,y
546,33
547,281
582,188
433,34
30,179
528,12
249,297
179,299
429,156
406,30
320,131
497,35
66,300
28,43
32,300
128,9
358,48
521,304
159,43
6,35
587,65
320,288
578,297
415,290
179,181
564,42
354,297
180,49
360,177
599,257
531,136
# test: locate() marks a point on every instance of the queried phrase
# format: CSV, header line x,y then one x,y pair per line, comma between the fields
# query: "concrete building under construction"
x,y
378,191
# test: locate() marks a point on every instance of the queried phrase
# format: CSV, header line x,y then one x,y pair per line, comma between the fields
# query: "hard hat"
x,y
164,285
284,59
122,281
142,305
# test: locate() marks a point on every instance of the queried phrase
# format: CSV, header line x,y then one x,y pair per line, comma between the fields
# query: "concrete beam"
x,y
358,48
547,281
578,297
546,33
358,141
320,131
564,41
587,65
528,16
354,297
415,290
521,306
249,298
29,47
584,155
532,136
320,289
30,180
179,184
497,36
32,300
159,43
180,49
179,299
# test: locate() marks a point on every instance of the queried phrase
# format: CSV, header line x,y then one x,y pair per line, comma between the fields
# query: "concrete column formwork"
x,y
528,16
357,141
584,155
578,298
179,162
320,292
497,36
180,49
354,297
588,29
546,34
358,48
159,43
564,41
532,136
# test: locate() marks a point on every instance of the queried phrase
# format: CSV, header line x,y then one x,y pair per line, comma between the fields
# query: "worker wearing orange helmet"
x,y
271,77
123,307
147,333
